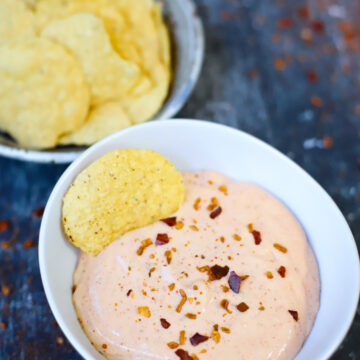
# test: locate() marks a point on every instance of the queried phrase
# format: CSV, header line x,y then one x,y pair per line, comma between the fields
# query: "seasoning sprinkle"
x,y
183,355
191,316
269,275
164,323
168,255
237,237
257,237
162,239
281,248
224,303
172,345
216,212
171,221
197,204
216,272
282,271
182,301
144,311
242,307
225,330
144,244
215,333
129,292
197,339
182,337
179,225
294,314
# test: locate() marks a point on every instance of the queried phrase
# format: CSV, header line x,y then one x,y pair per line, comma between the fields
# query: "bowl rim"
x,y
65,156
194,122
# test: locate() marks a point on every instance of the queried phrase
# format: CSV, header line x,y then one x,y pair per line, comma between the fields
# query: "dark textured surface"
x,y
267,69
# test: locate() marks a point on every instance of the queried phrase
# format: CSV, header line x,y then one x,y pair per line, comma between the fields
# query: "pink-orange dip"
x,y
232,277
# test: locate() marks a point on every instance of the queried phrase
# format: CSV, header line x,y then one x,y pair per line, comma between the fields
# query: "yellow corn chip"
x,y
121,191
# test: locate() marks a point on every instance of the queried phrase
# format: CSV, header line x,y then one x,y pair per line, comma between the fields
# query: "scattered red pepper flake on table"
x,y
225,330
294,314
328,141
28,244
162,239
129,292
170,221
279,64
4,225
183,355
216,212
168,255
213,204
104,346
191,316
318,26
38,212
223,189
306,34
282,271
269,275
3,326
197,339
281,248
5,290
284,23
346,27
164,323
236,237
303,12
311,76
151,271
172,345
215,333
179,225
242,307
144,311
316,101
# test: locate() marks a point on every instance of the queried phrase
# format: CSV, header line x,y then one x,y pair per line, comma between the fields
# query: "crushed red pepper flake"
x,y
182,337
214,214
194,356
282,271
4,225
312,76
257,237
38,212
261,308
357,110
151,271
216,272
60,340
182,301
237,237
225,330
3,326
170,221
242,307
191,316
194,227
197,204
346,27
213,204
183,355
316,101
168,256
253,73
269,275
162,239
284,23
223,189
250,228
303,12
172,345
144,244
235,281
294,314
104,346
279,64
179,225
225,288
129,292
224,303
306,34
29,243
164,323
144,311
171,286
197,339
281,248
328,141
318,26
5,290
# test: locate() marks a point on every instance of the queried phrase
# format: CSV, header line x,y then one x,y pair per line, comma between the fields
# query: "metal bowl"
x,y
188,50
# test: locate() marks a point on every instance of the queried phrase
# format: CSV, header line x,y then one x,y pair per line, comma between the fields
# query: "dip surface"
x,y
121,295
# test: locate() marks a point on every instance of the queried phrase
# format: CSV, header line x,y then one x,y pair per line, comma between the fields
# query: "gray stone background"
x,y
285,71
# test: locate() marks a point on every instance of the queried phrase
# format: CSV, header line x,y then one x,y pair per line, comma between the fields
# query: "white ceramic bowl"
x,y
193,145
188,50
